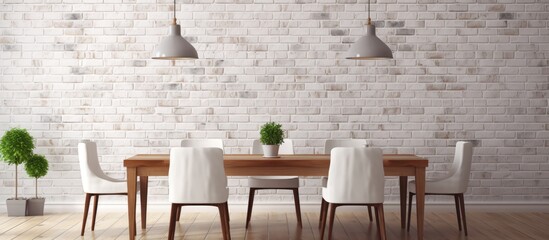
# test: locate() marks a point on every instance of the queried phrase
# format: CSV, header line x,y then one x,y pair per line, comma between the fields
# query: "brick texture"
x,y
475,70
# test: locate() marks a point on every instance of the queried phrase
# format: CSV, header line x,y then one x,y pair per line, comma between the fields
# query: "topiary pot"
x,y
35,206
17,207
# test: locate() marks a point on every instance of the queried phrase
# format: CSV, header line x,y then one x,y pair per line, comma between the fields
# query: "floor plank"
x,y
275,225
12,223
155,229
47,224
393,228
353,228
294,231
70,221
313,218
237,224
278,226
201,224
338,231
524,224
26,226
105,223
258,228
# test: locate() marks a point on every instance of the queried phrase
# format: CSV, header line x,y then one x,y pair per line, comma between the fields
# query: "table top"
x,y
235,160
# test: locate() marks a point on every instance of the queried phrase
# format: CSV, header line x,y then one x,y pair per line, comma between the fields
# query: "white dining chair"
x,y
453,184
197,177
94,181
274,182
333,143
200,143
355,177
218,143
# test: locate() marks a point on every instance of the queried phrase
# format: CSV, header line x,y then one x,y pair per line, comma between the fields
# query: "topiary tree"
x,y
271,134
16,148
36,167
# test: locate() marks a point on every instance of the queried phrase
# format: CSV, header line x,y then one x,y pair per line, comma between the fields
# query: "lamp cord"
x,y
174,18
369,19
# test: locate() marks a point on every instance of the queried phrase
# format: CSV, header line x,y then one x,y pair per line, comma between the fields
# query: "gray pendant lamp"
x,y
369,47
174,46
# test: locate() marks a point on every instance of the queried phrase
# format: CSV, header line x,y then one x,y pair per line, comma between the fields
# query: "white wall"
x,y
73,70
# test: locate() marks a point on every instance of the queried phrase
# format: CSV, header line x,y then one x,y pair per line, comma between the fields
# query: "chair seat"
x,y
436,186
273,182
111,186
325,196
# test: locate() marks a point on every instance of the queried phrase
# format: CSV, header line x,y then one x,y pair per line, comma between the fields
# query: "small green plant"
x,y
16,148
36,167
271,134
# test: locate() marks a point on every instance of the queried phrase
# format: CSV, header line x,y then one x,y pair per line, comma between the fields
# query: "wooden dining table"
x,y
401,165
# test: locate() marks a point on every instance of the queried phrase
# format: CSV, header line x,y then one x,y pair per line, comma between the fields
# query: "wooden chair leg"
x,y
323,222
223,219
95,202
250,204
332,218
297,207
227,212
228,224
173,215
381,216
323,208
178,214
370,213
377,218
86,208
410,210
458,213
462,208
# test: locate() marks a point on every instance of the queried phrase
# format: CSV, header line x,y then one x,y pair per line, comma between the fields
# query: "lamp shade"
x,y
174,46
369,47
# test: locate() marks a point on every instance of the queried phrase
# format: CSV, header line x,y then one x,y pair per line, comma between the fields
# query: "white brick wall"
x,y
462,70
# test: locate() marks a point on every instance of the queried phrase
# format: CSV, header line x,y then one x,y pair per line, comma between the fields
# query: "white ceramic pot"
x,y
270,150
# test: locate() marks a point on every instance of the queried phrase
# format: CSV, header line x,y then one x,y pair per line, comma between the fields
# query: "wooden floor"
x,y
277,225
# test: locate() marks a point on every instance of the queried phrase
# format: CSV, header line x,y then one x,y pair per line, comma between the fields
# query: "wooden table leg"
x,y
132,189
420,200
403,182
143,187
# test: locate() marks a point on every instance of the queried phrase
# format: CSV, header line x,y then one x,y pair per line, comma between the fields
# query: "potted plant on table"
x,y
16,148
36,167
272,136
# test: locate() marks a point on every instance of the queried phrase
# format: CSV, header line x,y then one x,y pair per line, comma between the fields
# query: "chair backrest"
x,y
202,143
287,147
461,167
355,176
90,170
332,143
197,175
